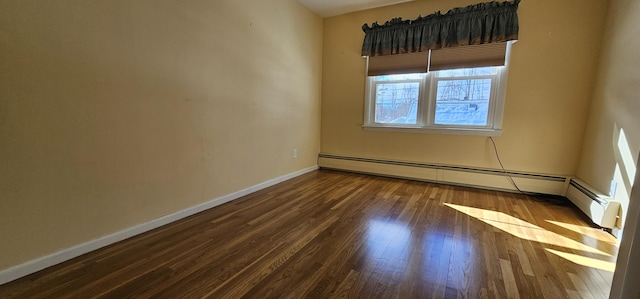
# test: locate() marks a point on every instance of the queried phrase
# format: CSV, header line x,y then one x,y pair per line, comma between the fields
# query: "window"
x,y
397,97
449,100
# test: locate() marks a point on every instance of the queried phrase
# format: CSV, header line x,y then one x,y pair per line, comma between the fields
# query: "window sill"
x,y
423,130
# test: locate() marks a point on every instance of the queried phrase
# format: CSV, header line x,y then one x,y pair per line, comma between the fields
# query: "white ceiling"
x,y
329,8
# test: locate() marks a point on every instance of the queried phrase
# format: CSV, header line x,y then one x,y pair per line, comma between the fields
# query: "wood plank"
x,y
330,234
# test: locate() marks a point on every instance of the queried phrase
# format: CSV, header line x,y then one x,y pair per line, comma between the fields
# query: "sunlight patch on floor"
x,y
523,229
585,261
587,231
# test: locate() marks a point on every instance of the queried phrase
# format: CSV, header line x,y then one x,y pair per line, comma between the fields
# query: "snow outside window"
x,y
458,101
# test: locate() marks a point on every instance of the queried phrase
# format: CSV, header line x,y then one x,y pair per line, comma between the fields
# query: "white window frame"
x,y
370,107
425,120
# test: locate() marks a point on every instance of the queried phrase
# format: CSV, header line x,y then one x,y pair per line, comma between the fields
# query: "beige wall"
x,y
616,106
550,85
114,113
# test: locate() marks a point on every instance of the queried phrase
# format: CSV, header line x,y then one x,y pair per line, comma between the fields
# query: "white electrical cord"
x,y
495,149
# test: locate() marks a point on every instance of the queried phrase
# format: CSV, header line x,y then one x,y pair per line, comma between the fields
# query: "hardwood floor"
x,y
333,234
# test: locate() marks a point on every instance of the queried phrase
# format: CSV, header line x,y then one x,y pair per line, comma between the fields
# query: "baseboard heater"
x,y
485,178
597,206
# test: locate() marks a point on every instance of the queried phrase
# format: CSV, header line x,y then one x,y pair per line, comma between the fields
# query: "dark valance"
x,y
472,25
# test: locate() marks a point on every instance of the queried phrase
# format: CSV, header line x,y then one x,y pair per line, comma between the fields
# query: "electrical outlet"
x,y
295,153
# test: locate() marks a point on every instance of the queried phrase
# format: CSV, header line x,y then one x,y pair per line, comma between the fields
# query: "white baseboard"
x,y
493,179
38,264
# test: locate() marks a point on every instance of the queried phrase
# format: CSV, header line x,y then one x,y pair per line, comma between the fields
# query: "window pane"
x,y
397,103
479,71
463,102
399,77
